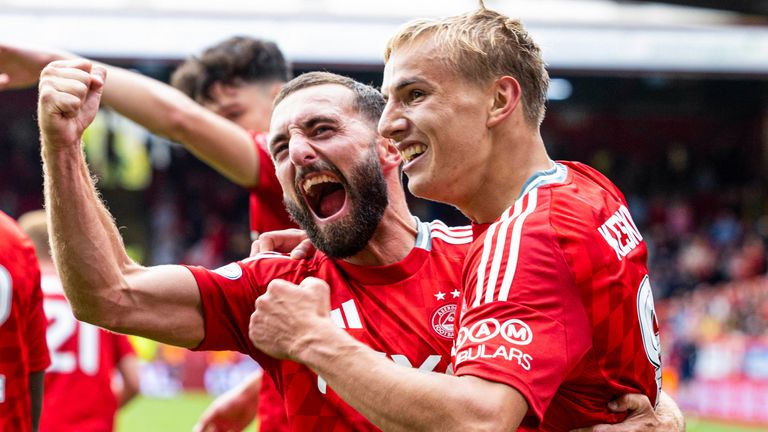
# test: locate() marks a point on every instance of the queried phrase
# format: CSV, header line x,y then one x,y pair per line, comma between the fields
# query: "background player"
x,y
22,331
236,80
84,358
554,320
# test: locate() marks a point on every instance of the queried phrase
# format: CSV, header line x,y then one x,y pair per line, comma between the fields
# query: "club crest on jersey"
x,y
443,319
231,271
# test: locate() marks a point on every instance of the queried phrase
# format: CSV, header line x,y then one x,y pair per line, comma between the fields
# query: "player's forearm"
x,y
87,247
397,398
168,112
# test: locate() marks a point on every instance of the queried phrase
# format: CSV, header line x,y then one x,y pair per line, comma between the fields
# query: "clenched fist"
x,y
70,91
288,317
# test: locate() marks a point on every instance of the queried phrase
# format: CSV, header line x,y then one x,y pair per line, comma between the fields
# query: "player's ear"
x,y
506,96
388,154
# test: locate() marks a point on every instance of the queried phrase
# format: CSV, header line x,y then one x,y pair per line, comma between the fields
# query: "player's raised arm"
x,y
157,106
105,287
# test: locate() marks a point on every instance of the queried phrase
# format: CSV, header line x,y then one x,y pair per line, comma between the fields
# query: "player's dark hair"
x,y
237,60
368,100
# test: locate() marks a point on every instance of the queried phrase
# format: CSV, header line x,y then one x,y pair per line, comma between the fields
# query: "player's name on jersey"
x,y
621,233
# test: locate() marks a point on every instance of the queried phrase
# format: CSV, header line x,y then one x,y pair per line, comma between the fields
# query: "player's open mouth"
x,y
324,193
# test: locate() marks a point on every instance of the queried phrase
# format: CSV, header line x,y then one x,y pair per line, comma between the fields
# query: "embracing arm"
x,y
393,397
157,106
104,286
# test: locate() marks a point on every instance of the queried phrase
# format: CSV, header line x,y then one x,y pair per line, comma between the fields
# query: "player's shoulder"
x,y
279,265
11,231
437,237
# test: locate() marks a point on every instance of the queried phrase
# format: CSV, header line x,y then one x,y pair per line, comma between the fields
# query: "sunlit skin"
x,y
247,105
466,162
320,125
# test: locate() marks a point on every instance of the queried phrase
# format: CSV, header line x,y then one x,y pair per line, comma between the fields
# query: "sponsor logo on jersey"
x,y
513,331
484,351
621,233
443,320
346,316
231,271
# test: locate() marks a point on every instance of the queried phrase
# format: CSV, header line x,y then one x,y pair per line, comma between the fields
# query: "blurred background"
x,y
668,99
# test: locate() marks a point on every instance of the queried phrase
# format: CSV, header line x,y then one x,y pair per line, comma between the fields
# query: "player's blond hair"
x,y
35,224
484,45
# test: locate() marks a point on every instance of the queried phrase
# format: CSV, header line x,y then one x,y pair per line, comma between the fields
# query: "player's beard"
x,y
366,191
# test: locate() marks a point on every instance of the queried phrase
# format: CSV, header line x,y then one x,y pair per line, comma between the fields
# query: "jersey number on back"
x,y
61,327
649,327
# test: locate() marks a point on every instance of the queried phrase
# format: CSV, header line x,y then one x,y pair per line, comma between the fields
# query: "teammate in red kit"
x,y
236,79
23,352
342,183
194,307
84,358
556,317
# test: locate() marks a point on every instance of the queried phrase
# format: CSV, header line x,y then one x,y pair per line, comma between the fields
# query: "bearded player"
x,y
395,291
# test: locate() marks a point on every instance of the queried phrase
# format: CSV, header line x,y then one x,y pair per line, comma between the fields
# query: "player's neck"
x,y
504,177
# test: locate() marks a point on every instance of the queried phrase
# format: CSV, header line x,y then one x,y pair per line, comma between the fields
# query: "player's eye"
x,y
416,94
279,150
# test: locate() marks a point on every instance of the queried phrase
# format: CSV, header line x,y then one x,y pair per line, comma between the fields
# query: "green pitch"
x,y
180,414
177,414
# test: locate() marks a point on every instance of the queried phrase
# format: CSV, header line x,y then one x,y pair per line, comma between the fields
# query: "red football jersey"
x,y
22,326
557,302
267,210
83,361
404,310
268,214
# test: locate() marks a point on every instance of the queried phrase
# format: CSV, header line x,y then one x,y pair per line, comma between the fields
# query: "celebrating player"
x,y
84,358
395,289
237,80
22,331
556,316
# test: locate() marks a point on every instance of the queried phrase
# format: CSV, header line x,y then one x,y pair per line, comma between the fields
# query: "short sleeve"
x,y
227,302
520,304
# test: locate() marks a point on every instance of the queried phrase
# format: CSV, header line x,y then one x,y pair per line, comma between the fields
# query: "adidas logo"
x,y
347,317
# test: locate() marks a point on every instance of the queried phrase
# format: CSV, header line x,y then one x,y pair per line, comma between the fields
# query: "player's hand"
x,y
70,91
232,411
20,66
291,240
288,315
641,418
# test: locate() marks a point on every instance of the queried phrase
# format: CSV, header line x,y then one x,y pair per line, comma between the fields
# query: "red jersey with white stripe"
x,y
22,326
557,302
78,385
267,210
405,311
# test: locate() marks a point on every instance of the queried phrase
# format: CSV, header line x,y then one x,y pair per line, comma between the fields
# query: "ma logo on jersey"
x,y
478,335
